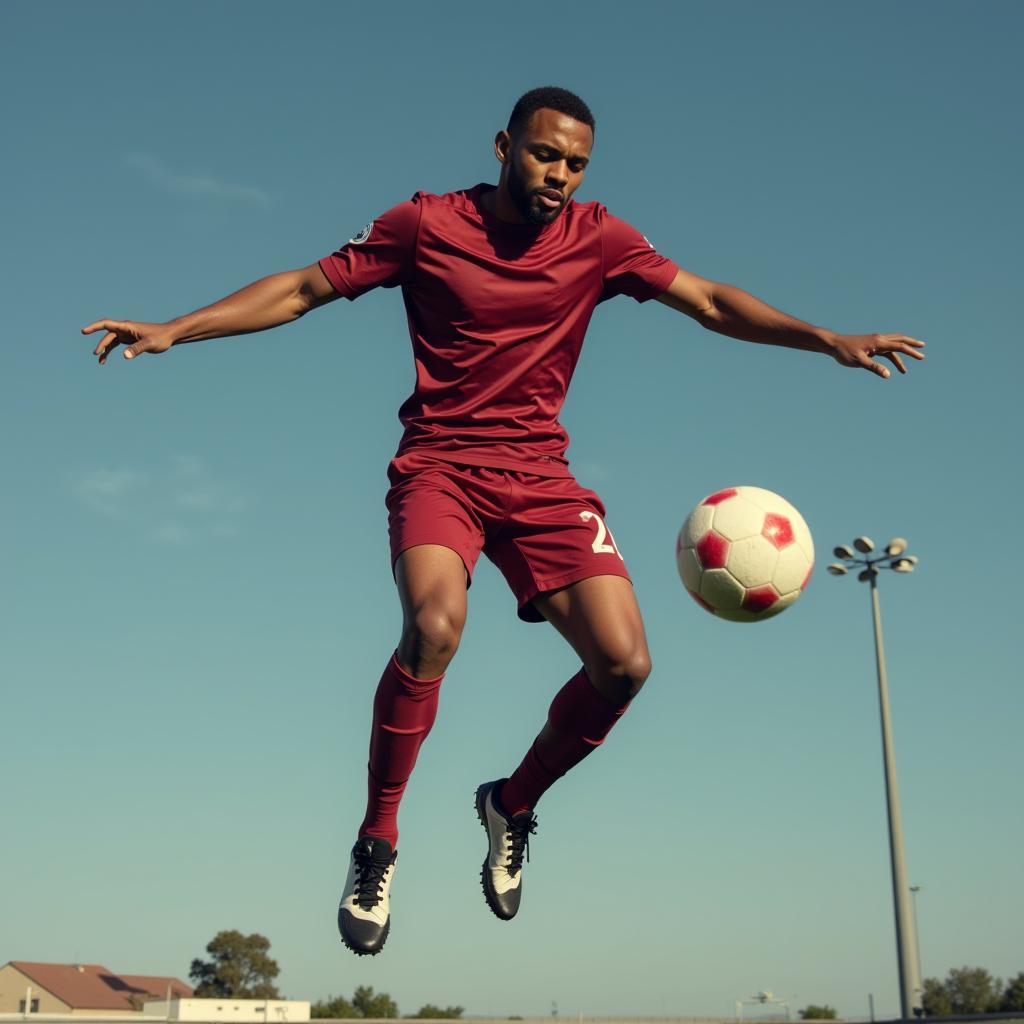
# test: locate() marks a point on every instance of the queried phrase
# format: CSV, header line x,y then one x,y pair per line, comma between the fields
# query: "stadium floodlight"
x,y
908,954
838,570
843,551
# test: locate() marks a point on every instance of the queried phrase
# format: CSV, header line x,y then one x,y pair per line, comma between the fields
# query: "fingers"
x,y
894,358
119,332
906,339
900,343
106,345
103,325
892,347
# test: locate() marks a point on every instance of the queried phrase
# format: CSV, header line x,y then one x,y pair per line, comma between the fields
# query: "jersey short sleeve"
x,y
631,264
382,255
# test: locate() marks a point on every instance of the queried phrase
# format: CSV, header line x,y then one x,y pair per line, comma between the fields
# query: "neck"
x,y
499,203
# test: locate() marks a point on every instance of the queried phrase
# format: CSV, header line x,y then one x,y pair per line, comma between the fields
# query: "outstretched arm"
x,y
271,301
732,311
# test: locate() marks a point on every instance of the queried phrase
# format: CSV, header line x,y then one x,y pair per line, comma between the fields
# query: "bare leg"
x,y
432,586
600,618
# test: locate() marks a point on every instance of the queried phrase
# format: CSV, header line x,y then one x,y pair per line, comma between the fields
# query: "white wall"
x,y
238,1011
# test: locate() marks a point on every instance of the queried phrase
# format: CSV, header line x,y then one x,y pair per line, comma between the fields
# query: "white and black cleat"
x,y
364,916
508,841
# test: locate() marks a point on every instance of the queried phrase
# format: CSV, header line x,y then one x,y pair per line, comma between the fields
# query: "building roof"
x,y
95,987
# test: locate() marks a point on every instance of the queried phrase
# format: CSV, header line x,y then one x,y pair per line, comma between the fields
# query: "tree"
x,y
935,999
239,967
334,1008
964,990
370,1005
1013,997
430,1011
973,990
815,1012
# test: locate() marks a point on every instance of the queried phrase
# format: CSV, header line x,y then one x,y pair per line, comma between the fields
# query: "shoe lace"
x,y
520,829
369,879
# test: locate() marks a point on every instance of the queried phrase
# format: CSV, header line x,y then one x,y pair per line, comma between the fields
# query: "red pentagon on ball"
x,y
712,550
759,599
778,530
719,496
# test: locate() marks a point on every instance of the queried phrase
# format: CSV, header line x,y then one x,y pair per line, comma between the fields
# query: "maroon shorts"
x,y
542,532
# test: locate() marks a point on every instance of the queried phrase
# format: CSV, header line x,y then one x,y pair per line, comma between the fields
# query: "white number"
x,y
598,544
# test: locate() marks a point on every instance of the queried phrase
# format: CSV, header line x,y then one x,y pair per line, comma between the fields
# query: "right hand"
x,y
135,336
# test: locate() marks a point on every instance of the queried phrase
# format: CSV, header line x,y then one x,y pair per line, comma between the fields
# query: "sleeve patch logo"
x,y
362,236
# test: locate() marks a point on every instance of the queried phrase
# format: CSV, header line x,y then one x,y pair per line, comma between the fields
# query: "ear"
x,y
502,144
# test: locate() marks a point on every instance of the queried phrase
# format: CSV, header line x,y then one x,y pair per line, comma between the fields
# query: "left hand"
x,y
857,350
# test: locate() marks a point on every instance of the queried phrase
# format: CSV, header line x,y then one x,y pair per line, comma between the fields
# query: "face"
x,y
544,163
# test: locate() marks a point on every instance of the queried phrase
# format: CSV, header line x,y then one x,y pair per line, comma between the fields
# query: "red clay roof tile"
x,y
95,987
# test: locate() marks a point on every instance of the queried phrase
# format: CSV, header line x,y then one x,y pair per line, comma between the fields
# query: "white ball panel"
x,y
721,590
781,605
698,522
752,561
766,500
791,569
737,518
802,535
739,615
689,569
772,502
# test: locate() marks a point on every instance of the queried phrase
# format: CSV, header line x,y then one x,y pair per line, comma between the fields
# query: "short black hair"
x,y
553,98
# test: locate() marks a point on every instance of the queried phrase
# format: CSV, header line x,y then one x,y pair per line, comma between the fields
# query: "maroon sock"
x,y
404,709
579,719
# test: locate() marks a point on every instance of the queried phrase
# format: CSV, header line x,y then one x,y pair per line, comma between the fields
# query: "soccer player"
x,y
499,284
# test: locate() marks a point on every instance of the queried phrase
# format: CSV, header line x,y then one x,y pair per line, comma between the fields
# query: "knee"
x,y
430,639
620,674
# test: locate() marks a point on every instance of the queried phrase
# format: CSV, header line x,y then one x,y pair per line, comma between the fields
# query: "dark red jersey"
x,y
497,314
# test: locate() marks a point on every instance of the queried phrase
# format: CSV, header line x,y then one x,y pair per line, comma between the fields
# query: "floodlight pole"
x,y
906,934
870,563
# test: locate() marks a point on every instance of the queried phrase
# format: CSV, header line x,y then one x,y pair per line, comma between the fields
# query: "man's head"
x,y
544,152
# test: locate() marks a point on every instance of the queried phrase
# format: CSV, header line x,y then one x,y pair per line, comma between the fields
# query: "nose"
x,y
557,175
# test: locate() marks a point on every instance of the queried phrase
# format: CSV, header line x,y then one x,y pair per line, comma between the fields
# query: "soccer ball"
x,y
745,554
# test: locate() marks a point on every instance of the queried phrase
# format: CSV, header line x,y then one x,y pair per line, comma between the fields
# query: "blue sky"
x,y
196,601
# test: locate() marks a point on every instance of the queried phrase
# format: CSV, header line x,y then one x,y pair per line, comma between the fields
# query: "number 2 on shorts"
x,y
603,533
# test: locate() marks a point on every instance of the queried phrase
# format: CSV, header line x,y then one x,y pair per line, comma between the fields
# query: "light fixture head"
x,y
903,565
896,546
865,545
843,551
865,574
838,570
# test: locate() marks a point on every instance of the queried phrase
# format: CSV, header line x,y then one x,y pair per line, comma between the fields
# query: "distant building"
x,y
237,1011
90,990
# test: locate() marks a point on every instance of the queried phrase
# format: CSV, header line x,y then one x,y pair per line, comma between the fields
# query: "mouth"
x,y
550,198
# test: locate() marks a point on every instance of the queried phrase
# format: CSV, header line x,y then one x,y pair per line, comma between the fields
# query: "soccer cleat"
x,y
364,916
508,839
